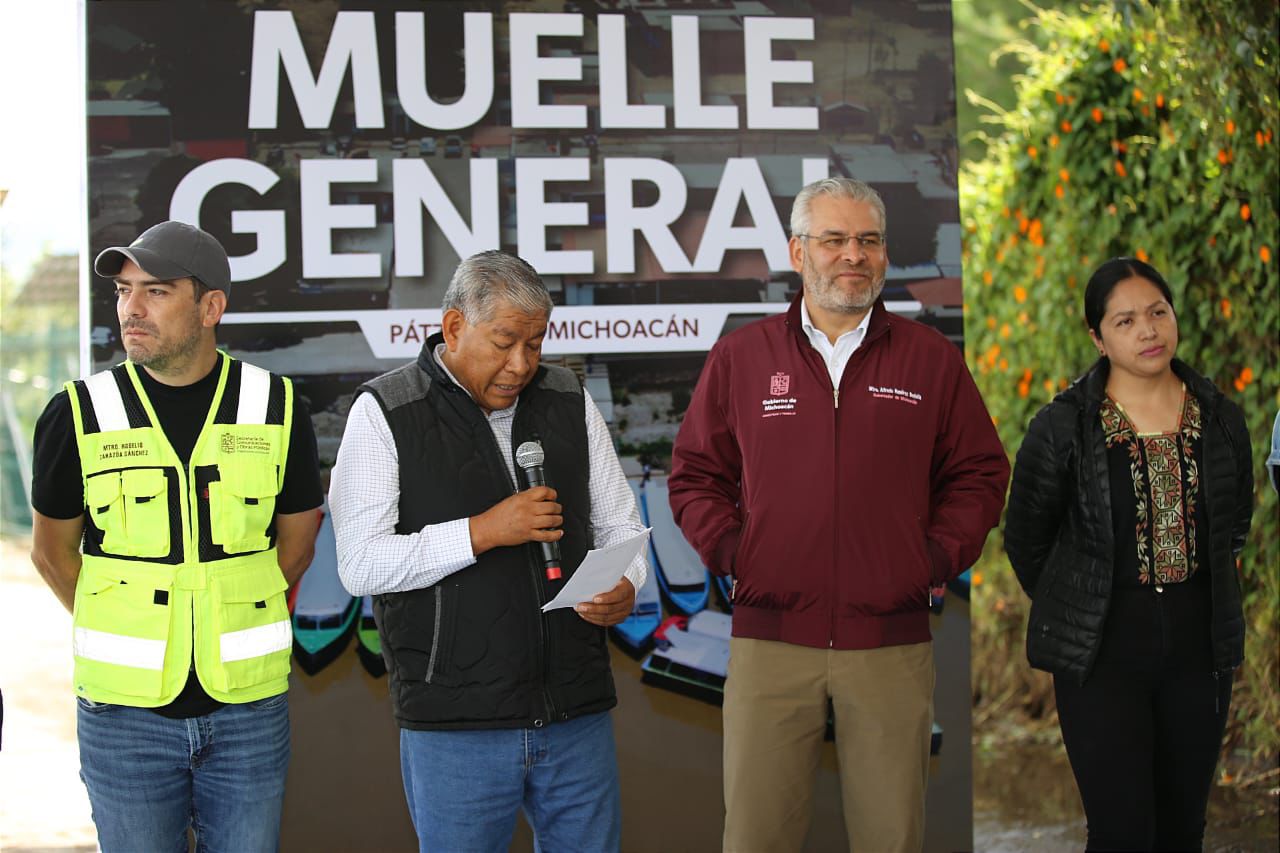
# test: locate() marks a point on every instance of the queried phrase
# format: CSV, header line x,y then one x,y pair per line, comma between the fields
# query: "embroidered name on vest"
x,y
121,450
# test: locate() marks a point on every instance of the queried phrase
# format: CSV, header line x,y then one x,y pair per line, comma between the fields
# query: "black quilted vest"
x,y
474,651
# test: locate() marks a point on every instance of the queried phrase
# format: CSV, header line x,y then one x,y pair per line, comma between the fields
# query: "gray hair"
x,y
485,280
847,188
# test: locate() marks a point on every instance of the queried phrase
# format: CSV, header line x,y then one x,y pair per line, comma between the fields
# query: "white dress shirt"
x,y
835,355
364,499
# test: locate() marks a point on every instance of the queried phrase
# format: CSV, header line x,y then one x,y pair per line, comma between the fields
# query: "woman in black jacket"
x,y
1131,499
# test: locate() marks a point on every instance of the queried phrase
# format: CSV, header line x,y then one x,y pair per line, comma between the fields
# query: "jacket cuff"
x,y
940,562
726,550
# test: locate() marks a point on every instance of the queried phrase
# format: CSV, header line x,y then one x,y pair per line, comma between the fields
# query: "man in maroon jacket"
x,y
836,462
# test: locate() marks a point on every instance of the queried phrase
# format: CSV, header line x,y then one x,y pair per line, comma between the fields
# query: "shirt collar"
x,y
806,323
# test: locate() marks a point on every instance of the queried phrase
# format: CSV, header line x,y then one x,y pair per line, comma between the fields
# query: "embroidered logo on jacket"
x,y
886,393
774,406
778,403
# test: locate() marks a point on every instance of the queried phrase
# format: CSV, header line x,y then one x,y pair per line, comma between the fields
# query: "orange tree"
x,y
1151,131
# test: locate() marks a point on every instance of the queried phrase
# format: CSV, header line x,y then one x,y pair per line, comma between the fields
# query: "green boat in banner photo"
x,y
368,644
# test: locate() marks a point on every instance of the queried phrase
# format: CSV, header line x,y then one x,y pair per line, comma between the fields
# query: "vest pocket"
x,y
131,508
417,636
121,631
106,509
146,511
436,660
251,619
242,503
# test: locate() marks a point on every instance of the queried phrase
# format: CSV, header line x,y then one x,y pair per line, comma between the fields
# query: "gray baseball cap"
x,y
169,251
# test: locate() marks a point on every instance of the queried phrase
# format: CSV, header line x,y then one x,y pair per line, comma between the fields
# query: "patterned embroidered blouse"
x,y
1155,491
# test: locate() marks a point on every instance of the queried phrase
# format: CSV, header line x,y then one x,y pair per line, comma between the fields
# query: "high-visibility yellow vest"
x,y
180,562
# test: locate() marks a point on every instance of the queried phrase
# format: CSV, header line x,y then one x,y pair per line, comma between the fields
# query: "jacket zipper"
x,y
1089,415
543,651
807,347
543,657
835,533
1208,521
544,637
835,432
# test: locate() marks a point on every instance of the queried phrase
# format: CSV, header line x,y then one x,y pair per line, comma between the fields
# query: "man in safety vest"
x,y
175,500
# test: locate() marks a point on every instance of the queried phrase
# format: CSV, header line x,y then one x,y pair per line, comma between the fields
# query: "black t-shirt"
x,y
57,483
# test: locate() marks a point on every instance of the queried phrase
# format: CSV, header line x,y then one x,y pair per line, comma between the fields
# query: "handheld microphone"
x,y
530,456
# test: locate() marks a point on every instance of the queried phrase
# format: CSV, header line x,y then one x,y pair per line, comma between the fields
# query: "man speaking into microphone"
x,y
529,457
445,514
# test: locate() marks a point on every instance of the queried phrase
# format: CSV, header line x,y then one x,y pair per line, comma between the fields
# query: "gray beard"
x,y
828,297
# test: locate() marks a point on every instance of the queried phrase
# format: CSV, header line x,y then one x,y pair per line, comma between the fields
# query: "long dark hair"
x,y
1104,280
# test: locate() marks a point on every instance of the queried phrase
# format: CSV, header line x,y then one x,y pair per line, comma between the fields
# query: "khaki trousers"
x,y
775,710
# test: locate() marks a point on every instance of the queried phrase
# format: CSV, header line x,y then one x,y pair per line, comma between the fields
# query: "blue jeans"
x,y
150,777
465,788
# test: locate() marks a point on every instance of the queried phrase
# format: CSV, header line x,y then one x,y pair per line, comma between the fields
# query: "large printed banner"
x,y
641,155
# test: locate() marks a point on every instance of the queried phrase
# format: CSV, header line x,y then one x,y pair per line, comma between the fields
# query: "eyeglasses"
x,y
870,242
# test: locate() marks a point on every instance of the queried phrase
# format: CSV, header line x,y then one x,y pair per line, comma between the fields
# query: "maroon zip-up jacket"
x,y
835,510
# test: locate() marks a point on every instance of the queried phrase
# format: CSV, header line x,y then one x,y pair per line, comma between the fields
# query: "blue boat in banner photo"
x,y
324,613
683,579
634,635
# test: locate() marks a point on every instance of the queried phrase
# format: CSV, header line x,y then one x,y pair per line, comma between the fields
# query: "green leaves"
x,y
1147,130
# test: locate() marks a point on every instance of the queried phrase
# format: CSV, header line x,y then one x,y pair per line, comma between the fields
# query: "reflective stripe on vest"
x,y
256,642
206,585
108,404
118,649
149,655
255,389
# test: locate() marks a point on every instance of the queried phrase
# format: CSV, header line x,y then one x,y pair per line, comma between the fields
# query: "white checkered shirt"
x,y
364,499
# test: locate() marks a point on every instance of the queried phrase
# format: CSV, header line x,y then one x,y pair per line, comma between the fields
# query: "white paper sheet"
x,y
599,572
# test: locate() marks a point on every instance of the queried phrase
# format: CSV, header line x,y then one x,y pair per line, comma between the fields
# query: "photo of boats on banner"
x,y
325,615
678,630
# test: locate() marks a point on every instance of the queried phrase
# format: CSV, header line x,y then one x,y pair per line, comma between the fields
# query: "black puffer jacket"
x,y
1059,534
